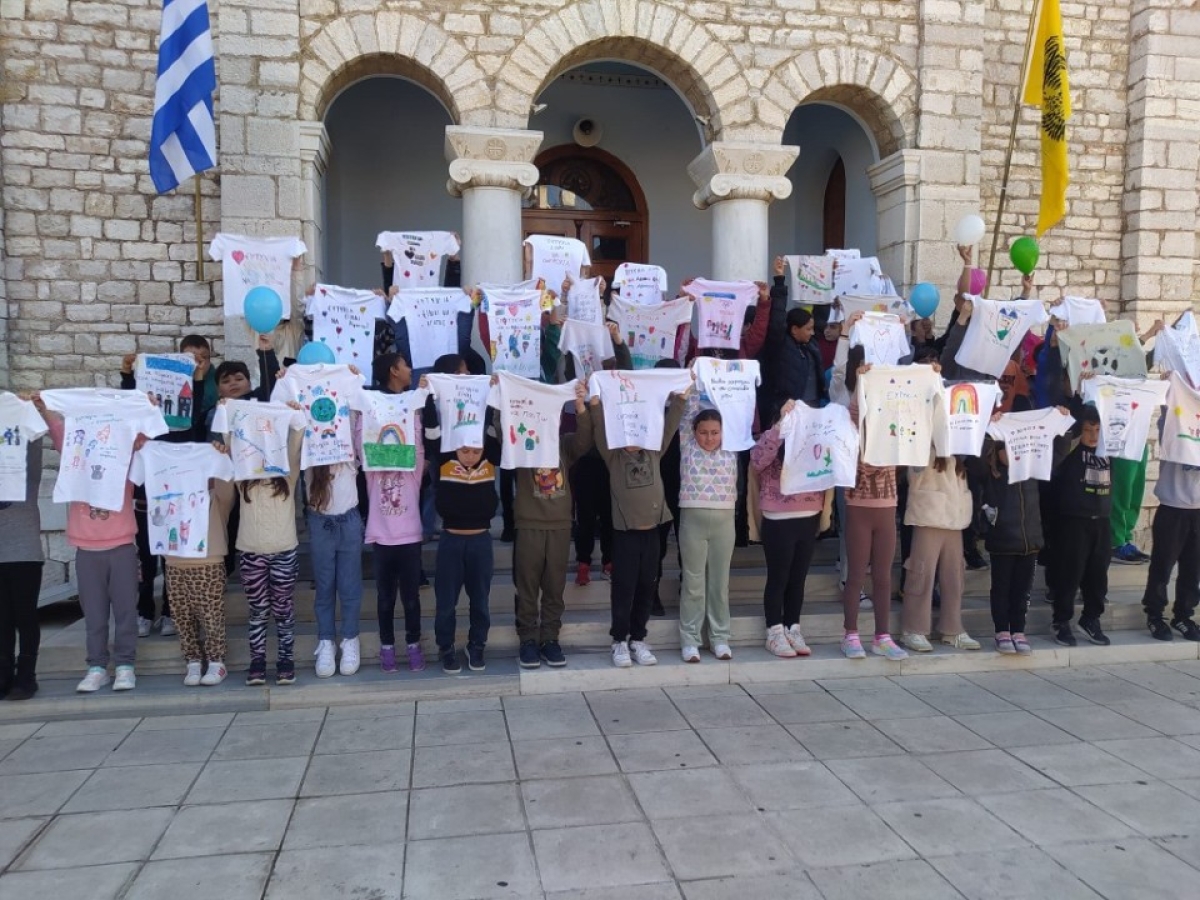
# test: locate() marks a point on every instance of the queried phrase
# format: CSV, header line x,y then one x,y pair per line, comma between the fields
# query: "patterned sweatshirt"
x,y
772,502
707,480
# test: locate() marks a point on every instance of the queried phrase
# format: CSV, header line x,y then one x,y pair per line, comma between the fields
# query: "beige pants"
x,y
935,552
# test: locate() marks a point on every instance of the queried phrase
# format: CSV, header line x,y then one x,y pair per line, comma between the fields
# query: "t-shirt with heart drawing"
x,y
417,256
247,263
995,330
1029,441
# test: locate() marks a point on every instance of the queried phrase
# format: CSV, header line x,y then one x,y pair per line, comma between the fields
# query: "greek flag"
x,y
183,139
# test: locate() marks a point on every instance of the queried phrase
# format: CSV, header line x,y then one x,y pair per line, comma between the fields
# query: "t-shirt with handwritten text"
x,y
633,404
729,386
177,498
417,255
1029,441
432,317
895,414
650,331
250,262
327,394
554,258
640,283
20,423
462,402
530,416
257,435
720,311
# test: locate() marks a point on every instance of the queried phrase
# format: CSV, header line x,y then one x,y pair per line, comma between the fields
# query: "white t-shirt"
x,y
883,338
257,436
1079,311
554,258
650,330
462,402
1177,349
20,423
729,386
820,449
633,404
847,305
640,283
721,311
1181,424
1109,349
812,279
247,263
1029,441
98,434
177,499
995,330
530,416
432,318
167,377
515,330
584,303
1126,407
327,394
417,255
589,344
389,430
895,414
963,416
858,276
365,303
350,334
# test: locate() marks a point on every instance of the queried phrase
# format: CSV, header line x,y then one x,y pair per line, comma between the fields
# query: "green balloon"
x,y
1024,254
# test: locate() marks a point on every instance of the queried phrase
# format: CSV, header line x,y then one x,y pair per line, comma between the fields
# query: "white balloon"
x,y
969,230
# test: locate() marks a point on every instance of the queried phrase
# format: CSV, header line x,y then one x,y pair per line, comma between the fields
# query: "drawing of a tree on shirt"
x,y
519,432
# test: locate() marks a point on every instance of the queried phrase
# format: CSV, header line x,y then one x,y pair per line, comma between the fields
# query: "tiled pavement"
x,y
1066,783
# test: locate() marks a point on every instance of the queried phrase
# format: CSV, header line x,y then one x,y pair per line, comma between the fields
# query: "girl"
x,y
335,533
707,496
790,525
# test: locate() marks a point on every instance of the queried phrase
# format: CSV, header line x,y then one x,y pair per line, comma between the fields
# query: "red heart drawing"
x,y
650,329
238,256
1133,405
407,274
338,329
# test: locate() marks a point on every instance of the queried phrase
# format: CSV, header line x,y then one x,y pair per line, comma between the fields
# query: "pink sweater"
x,y
95,529
394,503
764,456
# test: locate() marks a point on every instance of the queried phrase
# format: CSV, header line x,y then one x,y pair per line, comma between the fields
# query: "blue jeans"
x,y
463,560
337,546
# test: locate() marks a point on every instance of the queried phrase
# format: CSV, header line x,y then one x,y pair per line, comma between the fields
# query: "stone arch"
x,y
388,43
644,32
877,89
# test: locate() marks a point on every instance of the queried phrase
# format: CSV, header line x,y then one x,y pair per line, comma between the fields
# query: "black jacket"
x,y
792,367
1018,519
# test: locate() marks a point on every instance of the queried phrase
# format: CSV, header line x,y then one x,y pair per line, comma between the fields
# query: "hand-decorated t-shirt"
x,y
166,380
20,423
1079,311
883,338
820,449
327,394
1109,349
1029,441
1126,407
99,430
177,498
349,333
257,436
365,303
961,421
895,414
721,310
417,255
995,330
462,402
858,276
554,258
247,263
389,430
633,404
584,303
1181,424
650,330
847,305
432,317
812,279
515,327
589,344
530,416
729,386
1177,349
640,283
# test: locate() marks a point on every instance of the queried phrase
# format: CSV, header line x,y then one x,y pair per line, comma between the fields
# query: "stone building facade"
x,y
96,265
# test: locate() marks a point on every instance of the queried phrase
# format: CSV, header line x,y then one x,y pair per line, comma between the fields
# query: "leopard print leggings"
x,y
198,603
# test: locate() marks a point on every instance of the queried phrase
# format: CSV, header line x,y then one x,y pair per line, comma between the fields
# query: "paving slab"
x,y
598,856
323,873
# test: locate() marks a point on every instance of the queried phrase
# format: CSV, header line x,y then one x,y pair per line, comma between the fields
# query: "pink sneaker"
x,y
416,659
387,659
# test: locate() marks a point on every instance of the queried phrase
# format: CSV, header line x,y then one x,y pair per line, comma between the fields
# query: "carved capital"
x,y
728,170
900,170
314,144
491,157
472,173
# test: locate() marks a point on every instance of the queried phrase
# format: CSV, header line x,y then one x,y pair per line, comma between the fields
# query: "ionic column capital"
x,y
728,170
491,157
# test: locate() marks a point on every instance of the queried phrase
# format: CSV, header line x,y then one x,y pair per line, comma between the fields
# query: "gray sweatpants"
x,y
108,586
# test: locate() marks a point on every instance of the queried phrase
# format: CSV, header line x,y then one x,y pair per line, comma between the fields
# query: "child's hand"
x,y
936,366
997,414
495,380
388,259
139,442
265,343
581,391
38,403
615,332
566,285
787,408
966,254
1063,410
778,267
864,369
423,384
294,405
354,370
220,447
127,362
763,290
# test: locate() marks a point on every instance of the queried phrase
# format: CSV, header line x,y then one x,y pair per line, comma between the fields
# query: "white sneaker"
x,y
620,655
864,602
192,678
167,626
722,651
640,651
917,643
690,654
778,643
796,639
144,626
326,664
351,658
125,680
216,673
96,678
960,641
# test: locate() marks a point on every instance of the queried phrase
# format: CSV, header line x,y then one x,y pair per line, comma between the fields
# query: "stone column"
x,y
314,160
492,170
738,181
895,183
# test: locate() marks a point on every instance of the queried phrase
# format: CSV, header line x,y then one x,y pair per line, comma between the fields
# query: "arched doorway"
x,y
588,194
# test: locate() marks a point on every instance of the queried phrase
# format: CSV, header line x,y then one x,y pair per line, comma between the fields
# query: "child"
x,y
790,524
335,533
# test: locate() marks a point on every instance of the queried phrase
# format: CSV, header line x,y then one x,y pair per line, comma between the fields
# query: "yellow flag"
x,y
1046,87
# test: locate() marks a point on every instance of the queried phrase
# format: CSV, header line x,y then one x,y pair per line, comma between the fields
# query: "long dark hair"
x,y
320,487
279,487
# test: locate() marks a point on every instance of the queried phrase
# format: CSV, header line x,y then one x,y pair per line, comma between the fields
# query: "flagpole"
x,y
199,229
1012,140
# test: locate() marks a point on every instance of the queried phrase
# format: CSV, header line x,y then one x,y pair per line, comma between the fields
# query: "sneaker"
x,y
864,599
96,678
917,643
961,641
1021,643
690,654
620,655
1063,635
852,647
285,672
1189,629
583,574
416,659
1091,627
450,663
125,679
387,659
1159,629
216,673
552,654
640,651
1129,555
475,661
796,639
192,678
974,560
144,626
351,656
722,651
885,646
258,673
778,643
1005,645
528,657
167,627
326,662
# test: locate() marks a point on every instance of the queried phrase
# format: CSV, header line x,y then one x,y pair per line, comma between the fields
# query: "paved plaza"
x,y
1068,783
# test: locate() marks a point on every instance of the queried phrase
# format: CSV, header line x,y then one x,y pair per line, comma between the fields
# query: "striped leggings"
x,y
269,580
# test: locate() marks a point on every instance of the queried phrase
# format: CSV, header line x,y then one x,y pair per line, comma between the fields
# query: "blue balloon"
x,y
263,309
924,299
315,352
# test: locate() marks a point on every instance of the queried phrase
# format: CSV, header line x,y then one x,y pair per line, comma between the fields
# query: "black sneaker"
x,y
553,655
1159,629
974,560
450,663
1091,627
285,672
258,673
475,658
1189,629
529,658
1064,635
